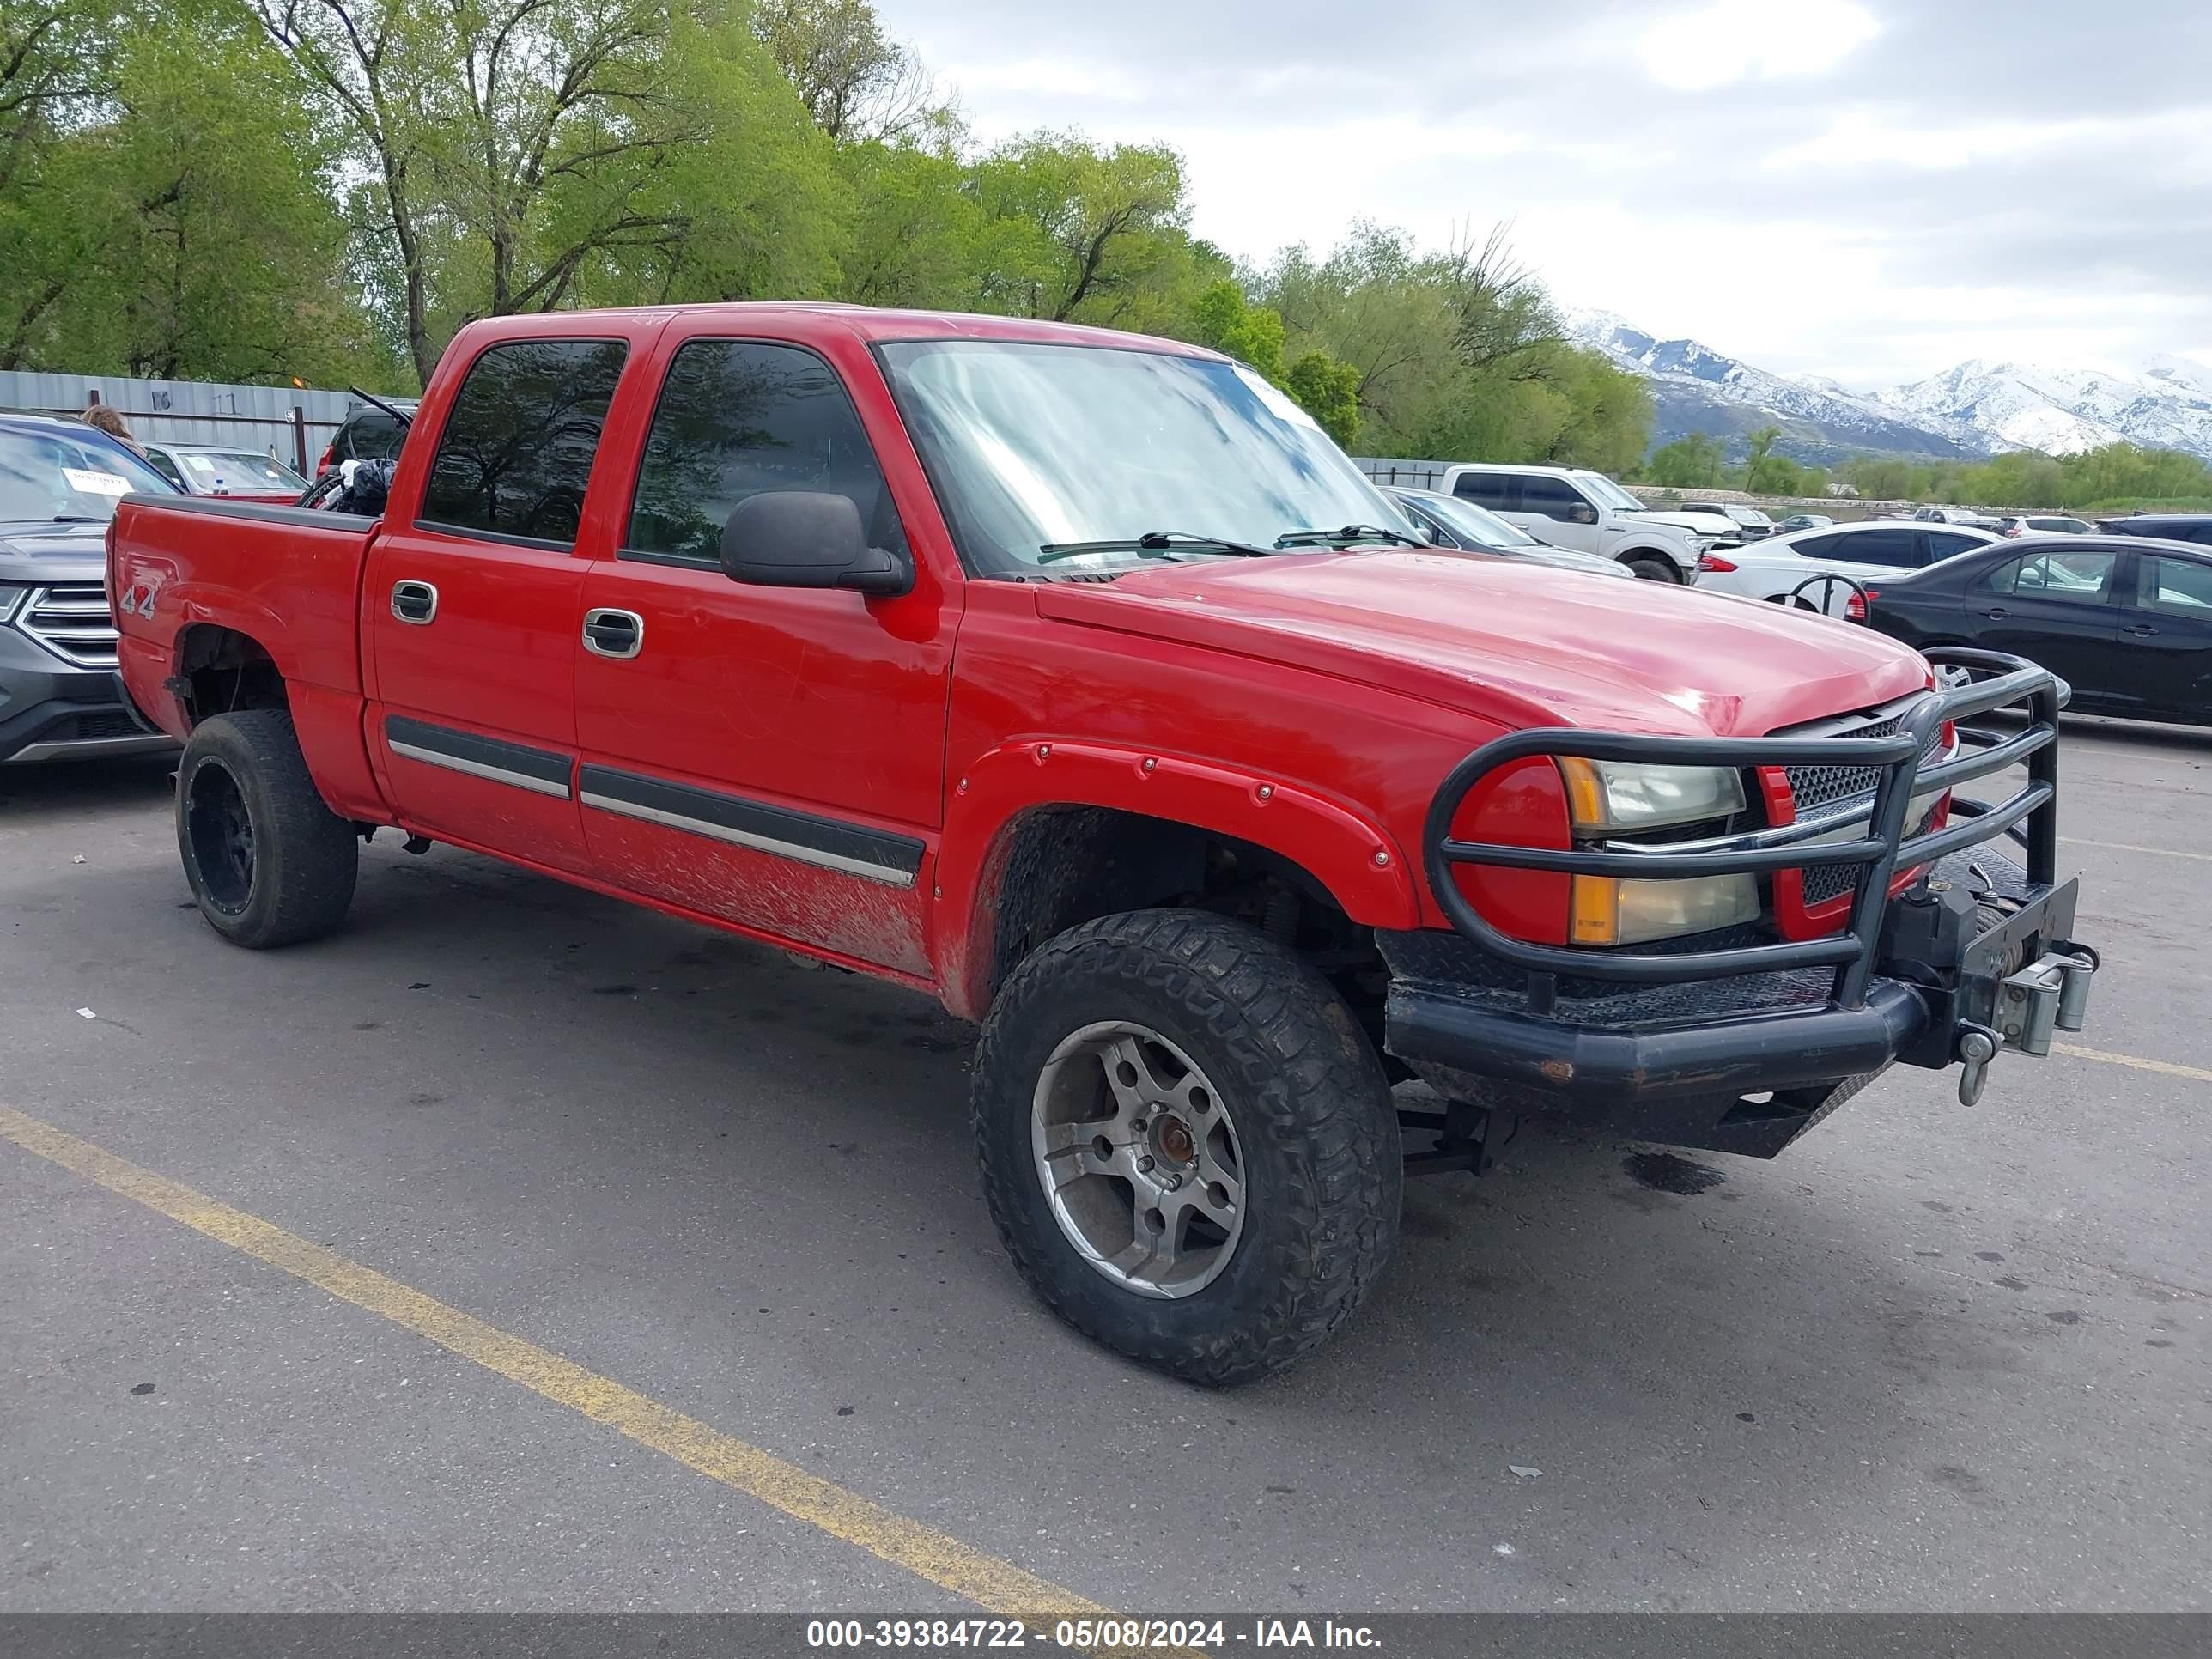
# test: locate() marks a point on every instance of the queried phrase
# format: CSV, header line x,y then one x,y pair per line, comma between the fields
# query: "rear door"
x,y
770,756
2164,649
469,606
2058,607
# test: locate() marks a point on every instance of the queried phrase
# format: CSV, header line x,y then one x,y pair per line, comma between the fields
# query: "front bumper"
x,y
1744,1047
49,711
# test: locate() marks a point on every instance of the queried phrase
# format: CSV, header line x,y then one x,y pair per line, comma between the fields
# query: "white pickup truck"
x,y
1575,508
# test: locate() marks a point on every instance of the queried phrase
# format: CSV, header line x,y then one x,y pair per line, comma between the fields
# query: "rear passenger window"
x,y
737,418
1885,547
516,454
1483,489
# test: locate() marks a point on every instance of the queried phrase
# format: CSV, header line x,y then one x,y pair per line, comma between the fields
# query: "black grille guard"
x,y
1984,682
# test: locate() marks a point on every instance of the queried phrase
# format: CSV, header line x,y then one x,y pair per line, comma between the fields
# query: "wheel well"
x,y
219,671
1064,865
1636,555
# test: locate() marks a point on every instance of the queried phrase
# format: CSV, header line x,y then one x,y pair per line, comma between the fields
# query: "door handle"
x,y
1995,613
413,602
619,634
2140,631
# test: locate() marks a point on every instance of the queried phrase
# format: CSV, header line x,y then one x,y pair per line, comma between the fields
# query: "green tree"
x,y
1329,392
1092,231
1251,334
1691,462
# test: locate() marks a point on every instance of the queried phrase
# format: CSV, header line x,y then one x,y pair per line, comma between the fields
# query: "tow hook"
x,y
1977,1046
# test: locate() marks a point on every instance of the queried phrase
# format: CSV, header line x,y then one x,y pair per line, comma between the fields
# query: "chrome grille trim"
x,y
72,620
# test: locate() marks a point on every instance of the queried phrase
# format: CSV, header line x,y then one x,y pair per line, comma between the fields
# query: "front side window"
x,y
516,454
739,418
1553,498
1062,456
2179,587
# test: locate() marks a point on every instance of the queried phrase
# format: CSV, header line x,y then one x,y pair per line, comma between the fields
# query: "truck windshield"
x,y
1603,491
1032,447
47,477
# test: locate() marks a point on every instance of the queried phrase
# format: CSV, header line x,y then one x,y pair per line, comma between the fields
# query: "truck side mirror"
x,y
1582,513
808,539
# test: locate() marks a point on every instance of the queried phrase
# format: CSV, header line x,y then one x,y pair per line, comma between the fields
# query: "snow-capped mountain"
x,y
1975,407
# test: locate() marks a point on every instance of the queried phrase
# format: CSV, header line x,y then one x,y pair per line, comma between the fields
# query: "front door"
x,y
2166,640
2056,608
470,609
770,756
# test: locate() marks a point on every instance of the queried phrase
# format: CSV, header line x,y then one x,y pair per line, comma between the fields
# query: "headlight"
x,y
1608,797
10,597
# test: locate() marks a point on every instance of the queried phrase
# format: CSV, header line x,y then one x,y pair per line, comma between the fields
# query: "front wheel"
x,y
268,861
1188,1143
1653,568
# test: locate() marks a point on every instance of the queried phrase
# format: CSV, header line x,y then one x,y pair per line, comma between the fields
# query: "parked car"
x,y
369,432
243,475
2167,527
2049,524
1803,521
1574,507
1078,680
1949,515
60,483
1751,524
1453,522
1787,568
2126,622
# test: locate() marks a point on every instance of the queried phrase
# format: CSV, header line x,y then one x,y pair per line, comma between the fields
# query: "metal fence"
x,y
288,422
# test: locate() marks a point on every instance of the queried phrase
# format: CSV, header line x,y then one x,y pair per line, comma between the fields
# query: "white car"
x,y
1788,569
1572,506
2052,524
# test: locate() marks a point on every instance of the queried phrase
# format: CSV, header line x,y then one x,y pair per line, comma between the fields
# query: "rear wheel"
x,y
1653,567
268,861
1187,1145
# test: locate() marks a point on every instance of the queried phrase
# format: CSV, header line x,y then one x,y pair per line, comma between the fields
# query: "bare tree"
x,y
855,80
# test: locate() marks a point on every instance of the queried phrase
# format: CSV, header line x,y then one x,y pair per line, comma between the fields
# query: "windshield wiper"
x,y
76,518
1152,545
1351,532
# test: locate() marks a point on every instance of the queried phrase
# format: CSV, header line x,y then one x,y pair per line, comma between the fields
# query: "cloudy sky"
x,y
1870,189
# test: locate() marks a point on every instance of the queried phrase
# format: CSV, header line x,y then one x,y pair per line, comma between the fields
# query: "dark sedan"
x,y
2165,526
2128,621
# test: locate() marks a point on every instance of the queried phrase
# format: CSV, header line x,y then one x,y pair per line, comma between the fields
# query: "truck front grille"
x,y
71,620
1837,791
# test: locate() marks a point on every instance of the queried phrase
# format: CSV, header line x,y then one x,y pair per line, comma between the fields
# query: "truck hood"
x,y
37,554
1514,643
1698,523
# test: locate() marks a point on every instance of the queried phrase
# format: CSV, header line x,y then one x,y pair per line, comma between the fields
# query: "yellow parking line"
x,y
2166,1067
944,1560
2130,846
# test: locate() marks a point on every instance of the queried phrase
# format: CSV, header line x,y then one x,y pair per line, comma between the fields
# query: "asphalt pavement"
x,y
1930,1359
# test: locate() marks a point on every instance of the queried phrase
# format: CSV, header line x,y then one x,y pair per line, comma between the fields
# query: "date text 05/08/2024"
x,y
1087,1634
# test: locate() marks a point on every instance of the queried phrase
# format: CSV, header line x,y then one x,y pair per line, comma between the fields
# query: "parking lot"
x,y
1933,1357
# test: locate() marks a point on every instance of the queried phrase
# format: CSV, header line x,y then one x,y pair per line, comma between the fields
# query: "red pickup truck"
x,y
1078,680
